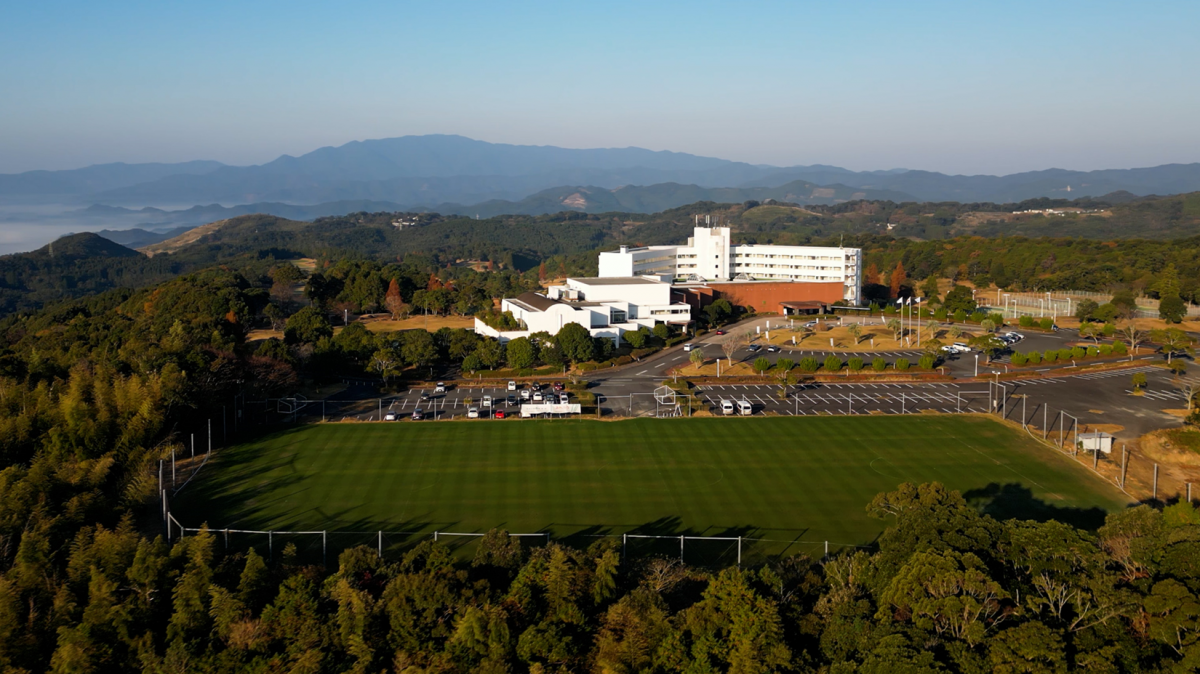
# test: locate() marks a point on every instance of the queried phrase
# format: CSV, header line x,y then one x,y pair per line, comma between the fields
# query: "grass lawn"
x,y
797,482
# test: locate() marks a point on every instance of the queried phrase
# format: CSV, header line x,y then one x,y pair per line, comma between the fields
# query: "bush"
x,y
855,364
960,316
1093,351
1018,359
1078,352
1033,358
1050,356
1025,321
940,314
588,367
622,360
661,331
639,354
926,362
1139,380
833,363
1106,349
978,317
901,364
1046,323
1119,349
807,364
761,365
879,365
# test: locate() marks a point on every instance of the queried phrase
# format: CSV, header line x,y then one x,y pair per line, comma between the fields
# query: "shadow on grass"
x,y
1016,501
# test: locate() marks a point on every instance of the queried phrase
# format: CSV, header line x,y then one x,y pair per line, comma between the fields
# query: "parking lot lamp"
x,y
976,365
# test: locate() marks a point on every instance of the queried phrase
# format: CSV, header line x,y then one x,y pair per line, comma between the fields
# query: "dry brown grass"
x,y
1172,446
844,341
431,323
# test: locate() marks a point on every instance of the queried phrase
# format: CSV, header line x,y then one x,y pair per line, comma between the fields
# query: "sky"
x,y
957,87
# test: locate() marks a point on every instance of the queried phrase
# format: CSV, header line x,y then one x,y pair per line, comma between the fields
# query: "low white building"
x,y
607,307
709,255
1095,441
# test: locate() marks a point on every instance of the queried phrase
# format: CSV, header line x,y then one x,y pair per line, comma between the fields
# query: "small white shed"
x,y
1095,440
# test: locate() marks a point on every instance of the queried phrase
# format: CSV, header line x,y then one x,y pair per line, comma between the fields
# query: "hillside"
x,y
82,245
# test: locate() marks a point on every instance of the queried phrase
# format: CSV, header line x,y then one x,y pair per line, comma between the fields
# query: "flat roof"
x,y
616,281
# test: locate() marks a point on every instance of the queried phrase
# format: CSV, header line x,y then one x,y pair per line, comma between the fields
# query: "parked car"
x,y
418,414
810,324
511,400
535,386
389,416
754,348
564,398
499,414
440,388
745,408
961,347
687,347
772,349
558,386
424,396
525,393
537,396
512,385
727,407
486,402
472,412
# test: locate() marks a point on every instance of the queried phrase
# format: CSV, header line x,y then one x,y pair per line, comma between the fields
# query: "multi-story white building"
x,y
710,256
607,307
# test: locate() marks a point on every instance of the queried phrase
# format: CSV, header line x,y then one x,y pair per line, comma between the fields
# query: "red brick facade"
x,y
763,297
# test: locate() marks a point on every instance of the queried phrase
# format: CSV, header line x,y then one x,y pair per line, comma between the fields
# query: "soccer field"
x,y
796,482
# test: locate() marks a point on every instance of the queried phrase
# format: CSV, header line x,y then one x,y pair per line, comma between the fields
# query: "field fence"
x,y
312,546
1056,304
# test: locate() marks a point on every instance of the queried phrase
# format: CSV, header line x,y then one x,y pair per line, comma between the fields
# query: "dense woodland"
x,y
95,390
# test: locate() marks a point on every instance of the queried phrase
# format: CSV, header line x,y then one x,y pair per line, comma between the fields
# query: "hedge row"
x,y
1062,355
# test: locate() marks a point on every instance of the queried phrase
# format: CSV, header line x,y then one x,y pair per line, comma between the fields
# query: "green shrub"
x,y
926,362
622,360
807,364
1050,356
588,367
1106,349
960,316
1119,349
639,354
879,365
1018,359
940,314
901,364
1025,321
978,317
1046,323
1093,351
855,364
1033,358
1078,352
833,363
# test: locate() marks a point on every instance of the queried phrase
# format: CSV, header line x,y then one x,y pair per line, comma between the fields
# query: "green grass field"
x,y
802,481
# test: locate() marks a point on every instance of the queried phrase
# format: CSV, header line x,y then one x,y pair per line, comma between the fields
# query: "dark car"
x,y
511,400
558,386
753,348
772,349
418,414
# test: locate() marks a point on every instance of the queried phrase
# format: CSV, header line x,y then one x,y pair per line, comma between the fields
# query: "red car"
x,y
558,386
498,414
720,332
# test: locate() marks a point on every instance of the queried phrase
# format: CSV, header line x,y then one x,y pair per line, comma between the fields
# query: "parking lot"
x,y
831,399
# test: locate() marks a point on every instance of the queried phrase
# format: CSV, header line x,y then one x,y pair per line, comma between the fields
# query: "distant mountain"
x,y
80,246
93,179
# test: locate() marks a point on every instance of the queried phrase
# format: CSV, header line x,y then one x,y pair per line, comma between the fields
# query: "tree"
x,y
719,311
696,357
783,370
989,344
833,363
932,327
1139,380
855,331
661,331
959,298
520,353
307,326
729,347
635,338
1125,303
385,362
761,365
1084,310
417,348
393,301
575,342
1173,341
897,279
987,325
1172,309
274,314
897,328
929,289
1132,336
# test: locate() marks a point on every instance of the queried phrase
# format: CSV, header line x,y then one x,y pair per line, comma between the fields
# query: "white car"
x,y
687,347
564,397
524,394
961,347
487,402
537,396
472,412
726,407
512,385
389,416
440,388
745,408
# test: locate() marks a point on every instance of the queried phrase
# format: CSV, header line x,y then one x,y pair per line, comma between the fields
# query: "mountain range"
x,y
430,171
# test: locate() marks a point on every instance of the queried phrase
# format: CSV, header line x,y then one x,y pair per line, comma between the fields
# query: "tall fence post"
x,y
1124,464
270,546
739,552
210,435
681,548
193,445
1188,486
380,545
624,542
173,467
826,549
1096,460
1154,494
1045,420
324,548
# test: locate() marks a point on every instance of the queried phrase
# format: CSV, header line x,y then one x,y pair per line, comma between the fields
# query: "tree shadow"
x,y
1016,501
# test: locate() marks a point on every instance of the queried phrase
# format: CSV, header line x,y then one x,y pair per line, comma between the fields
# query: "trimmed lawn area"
x,y
797,482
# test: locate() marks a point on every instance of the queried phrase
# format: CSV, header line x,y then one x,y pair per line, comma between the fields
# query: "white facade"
x,y
710,256
607,307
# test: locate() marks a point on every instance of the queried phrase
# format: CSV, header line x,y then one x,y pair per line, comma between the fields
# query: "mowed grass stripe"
x,y
770,477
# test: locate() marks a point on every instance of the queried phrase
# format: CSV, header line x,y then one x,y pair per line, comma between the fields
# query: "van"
x,y
961,347
744,408
512,385
487,402
726,407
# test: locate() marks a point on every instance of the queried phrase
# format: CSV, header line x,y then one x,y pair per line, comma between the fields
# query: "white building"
x,y
710,256
607,307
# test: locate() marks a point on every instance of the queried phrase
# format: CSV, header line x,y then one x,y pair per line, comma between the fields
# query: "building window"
x,y
616,316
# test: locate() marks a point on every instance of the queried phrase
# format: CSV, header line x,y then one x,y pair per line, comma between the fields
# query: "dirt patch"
x,y
1172,446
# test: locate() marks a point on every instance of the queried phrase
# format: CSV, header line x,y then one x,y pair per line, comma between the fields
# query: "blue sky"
x,y
962,87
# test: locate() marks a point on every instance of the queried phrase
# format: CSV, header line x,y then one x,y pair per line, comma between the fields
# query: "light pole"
x,y
976,365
